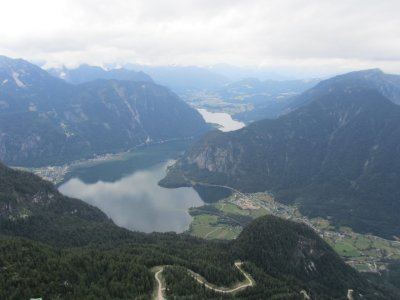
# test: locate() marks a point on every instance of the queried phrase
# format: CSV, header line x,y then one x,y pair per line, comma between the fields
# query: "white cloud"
x,y
336,35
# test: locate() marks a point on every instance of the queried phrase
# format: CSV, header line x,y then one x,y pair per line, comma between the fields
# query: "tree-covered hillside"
x,y
336,157
55,247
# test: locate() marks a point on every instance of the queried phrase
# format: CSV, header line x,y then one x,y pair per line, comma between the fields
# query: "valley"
x,y
364,252
249,99
100,244
142,205
154,151
192,150
224,219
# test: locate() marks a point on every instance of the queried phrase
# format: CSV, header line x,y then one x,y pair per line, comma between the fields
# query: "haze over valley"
x,y
199,150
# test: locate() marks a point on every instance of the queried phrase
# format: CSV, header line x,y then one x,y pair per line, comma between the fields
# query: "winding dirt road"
x,y
247,283
160,288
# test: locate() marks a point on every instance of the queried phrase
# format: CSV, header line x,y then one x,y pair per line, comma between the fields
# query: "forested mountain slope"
x,y
52,246
337,156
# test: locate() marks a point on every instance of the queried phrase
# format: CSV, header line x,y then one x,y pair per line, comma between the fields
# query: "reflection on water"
x,y
137,202
223,119
210,194
124,164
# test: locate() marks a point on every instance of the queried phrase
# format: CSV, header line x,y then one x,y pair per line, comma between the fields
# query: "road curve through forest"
x,y
247,283
160,288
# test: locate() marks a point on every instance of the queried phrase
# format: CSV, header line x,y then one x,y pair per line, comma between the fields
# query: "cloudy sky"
x,y
303,34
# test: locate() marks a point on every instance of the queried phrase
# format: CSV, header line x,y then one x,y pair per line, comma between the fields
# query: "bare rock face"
x,y
214,160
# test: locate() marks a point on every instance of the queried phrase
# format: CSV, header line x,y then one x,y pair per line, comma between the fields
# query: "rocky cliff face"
x,y
214,158
44,120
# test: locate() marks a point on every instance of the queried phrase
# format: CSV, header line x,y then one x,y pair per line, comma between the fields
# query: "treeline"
x,y
32,270
283,258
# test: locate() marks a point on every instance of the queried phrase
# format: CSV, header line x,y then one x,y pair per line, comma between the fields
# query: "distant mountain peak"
x,y
366,71
85,73
19,75
368,74
387,85
13,63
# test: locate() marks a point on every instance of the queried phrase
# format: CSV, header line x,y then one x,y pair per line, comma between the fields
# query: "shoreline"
x,y
56,173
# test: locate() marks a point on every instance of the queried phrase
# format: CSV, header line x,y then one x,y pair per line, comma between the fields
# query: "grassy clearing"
x,y
231,208
225,233
362,267
202,225
206,226
362,243
345,248
323,224
255,213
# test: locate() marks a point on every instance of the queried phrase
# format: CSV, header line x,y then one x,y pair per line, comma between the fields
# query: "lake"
x,y
224,120
125,188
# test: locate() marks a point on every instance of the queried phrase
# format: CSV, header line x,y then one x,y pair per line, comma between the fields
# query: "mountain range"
x,y
179,79
86,73
336,155
45,120
268,98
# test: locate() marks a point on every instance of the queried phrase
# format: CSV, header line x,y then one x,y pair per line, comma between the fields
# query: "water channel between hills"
x,y
224,120
125,187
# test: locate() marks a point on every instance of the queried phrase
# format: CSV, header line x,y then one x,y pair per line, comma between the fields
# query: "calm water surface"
x,y
223,119
130,194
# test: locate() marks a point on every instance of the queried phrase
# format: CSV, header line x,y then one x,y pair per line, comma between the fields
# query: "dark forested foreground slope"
x,y
33,208
44,120
337,156
56,247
